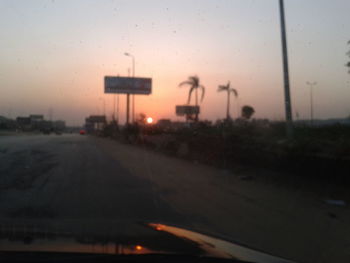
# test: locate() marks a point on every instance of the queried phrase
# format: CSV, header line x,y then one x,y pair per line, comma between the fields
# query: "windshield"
x,y
228,118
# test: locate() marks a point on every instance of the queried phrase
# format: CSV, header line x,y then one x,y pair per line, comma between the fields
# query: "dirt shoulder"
x,y
286,221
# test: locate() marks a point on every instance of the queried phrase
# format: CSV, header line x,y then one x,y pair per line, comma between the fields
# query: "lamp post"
x,y
133,75
311,85
287,100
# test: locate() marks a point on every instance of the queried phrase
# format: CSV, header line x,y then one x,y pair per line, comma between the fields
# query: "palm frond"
x,y
222,88
194,79
203,92
187,82
235,92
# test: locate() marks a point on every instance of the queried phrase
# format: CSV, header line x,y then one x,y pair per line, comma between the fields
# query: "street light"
x,y
311,84
133,75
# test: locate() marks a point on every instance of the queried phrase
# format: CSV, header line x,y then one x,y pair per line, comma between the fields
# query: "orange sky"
x,y
56,54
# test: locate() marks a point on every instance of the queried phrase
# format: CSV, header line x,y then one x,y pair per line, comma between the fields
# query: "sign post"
x,y
127,85
188,111
127,108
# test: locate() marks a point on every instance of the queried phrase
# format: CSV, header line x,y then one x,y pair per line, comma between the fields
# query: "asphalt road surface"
x,y
70,176
86,178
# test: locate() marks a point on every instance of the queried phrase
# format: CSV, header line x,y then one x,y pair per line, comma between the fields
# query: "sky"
x,y
54,56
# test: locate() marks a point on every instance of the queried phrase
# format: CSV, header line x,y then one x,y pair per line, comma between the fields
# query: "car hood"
x,y
122,238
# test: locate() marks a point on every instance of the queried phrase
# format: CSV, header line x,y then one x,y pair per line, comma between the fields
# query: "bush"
x,y
315,152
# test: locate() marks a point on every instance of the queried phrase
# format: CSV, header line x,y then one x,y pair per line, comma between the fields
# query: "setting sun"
x,y
149,120
138,247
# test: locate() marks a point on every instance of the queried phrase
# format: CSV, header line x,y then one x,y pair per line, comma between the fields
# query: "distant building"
x,y
24,123
97,118
95,123
43,126
36,122
59,125
36,117
6,123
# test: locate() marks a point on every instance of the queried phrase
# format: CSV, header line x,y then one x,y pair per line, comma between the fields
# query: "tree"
x,y
247,112
229,91
193,82
141,119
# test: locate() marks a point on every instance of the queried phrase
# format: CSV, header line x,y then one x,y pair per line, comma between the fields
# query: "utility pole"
x,y
311,85
118,108
228,106
133,96
287,99
128,95
127,108
117,105
114,107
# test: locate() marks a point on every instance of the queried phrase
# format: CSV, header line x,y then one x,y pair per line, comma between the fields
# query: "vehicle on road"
x,y
82,132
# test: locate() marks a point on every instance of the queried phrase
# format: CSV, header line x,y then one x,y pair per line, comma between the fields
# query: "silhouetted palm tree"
x,y
193,82
228,90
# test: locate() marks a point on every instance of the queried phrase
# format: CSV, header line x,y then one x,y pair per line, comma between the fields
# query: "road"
x,y
88,178
72,177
